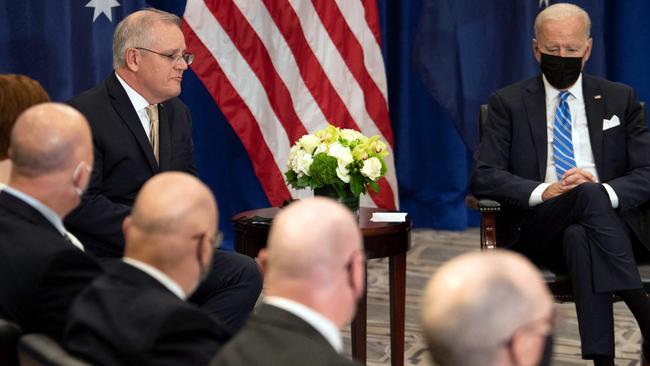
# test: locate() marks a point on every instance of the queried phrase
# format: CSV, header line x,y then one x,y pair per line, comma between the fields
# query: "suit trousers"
x,y
230,290
581,233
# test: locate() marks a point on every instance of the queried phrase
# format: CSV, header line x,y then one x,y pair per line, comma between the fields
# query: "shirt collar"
x,y
323,325
163,278
39,206
137,100
552,93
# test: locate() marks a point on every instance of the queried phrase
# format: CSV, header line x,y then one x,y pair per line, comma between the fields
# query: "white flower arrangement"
x,y
341,159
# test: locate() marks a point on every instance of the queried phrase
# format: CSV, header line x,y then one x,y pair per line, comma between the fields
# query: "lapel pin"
x,y
598,96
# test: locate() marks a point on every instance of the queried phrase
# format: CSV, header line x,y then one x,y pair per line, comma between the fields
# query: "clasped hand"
x,y
571,179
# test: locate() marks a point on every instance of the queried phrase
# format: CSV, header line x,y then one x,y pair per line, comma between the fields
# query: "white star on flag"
x,y
102,7
543,2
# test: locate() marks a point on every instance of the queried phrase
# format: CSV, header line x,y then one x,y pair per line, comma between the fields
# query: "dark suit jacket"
x,y
124,160
127,317
40,272
275,337
511,160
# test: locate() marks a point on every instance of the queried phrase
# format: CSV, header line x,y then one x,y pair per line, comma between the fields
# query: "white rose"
x,y
371,168
309,143
292,157
302,162
342,173
351,135
342,154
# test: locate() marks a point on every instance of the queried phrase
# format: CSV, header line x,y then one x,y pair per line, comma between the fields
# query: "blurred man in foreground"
x,y
41,269
314,274
488,309
136,314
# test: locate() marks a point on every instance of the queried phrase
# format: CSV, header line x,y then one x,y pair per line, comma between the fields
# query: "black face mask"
x,y
548,351
561,72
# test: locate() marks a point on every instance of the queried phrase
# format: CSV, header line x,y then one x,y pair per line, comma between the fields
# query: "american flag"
x,y
279,69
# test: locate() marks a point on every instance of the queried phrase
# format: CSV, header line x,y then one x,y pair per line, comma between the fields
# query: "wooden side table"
x,y
380,240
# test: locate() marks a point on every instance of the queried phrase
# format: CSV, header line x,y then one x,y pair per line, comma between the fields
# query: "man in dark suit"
x,y
314,275
136,313
140,128
569,156
41,270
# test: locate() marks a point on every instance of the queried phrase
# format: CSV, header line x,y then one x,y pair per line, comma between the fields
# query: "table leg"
x,y
397,285
358,328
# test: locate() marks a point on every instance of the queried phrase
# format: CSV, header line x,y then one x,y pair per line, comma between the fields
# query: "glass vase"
x,y
349,201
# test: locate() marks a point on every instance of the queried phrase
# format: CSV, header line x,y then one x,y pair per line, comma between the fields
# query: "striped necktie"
x,y
152,112
562,141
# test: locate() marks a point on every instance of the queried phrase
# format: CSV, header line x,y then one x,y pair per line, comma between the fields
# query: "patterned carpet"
x,y
429,249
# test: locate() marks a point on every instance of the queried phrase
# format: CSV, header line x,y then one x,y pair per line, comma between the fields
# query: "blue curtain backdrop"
x,y
443,58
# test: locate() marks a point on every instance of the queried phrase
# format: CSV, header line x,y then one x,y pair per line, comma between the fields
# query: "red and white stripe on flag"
x,y
279,69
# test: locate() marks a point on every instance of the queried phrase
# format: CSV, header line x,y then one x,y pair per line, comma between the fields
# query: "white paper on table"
x,y
388,217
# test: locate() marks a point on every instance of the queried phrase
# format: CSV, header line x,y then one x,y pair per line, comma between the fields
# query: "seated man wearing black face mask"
x,y
136,313
568,155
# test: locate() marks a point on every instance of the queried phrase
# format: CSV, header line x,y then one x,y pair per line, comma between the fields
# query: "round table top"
x,y
381,239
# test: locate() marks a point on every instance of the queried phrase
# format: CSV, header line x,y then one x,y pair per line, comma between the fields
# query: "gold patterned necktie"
x,y
152,112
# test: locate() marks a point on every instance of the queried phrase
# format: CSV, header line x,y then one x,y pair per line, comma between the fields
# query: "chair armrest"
x,y
487,205
489,210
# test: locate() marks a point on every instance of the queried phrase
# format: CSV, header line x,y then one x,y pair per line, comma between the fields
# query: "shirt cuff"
x,y
536,197
612,195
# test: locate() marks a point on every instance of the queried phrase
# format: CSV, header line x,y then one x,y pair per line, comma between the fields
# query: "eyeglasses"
x,y
174,59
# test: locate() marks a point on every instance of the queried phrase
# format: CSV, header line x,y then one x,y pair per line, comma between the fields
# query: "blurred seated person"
x,y
41,269
488,309
19,92
136,314
313,275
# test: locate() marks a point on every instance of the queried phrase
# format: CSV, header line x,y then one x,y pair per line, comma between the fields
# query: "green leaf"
x,y
356,185
374,186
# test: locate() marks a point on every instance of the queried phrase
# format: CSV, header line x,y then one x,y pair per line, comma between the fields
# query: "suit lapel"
x,y
595,111
164,136
124,108
535,102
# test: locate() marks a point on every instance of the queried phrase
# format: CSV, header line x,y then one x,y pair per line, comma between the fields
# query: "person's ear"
x,y
126,225
536,51
525,348
358,274
262,258
132,58
587,52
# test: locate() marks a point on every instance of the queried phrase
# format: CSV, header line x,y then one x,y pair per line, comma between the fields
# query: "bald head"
x,y
475,302
311,238
172,227
314,256
49,138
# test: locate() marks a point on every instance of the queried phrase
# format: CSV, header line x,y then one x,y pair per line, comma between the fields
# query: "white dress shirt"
x,y
160,276
323,325
47,212
582,152
139,104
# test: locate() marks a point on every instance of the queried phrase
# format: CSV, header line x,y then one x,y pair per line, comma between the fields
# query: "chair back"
x,y
40,350
9,334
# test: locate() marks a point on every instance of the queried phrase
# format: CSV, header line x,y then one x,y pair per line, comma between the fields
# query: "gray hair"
x,y
135,31
562,11
474,330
